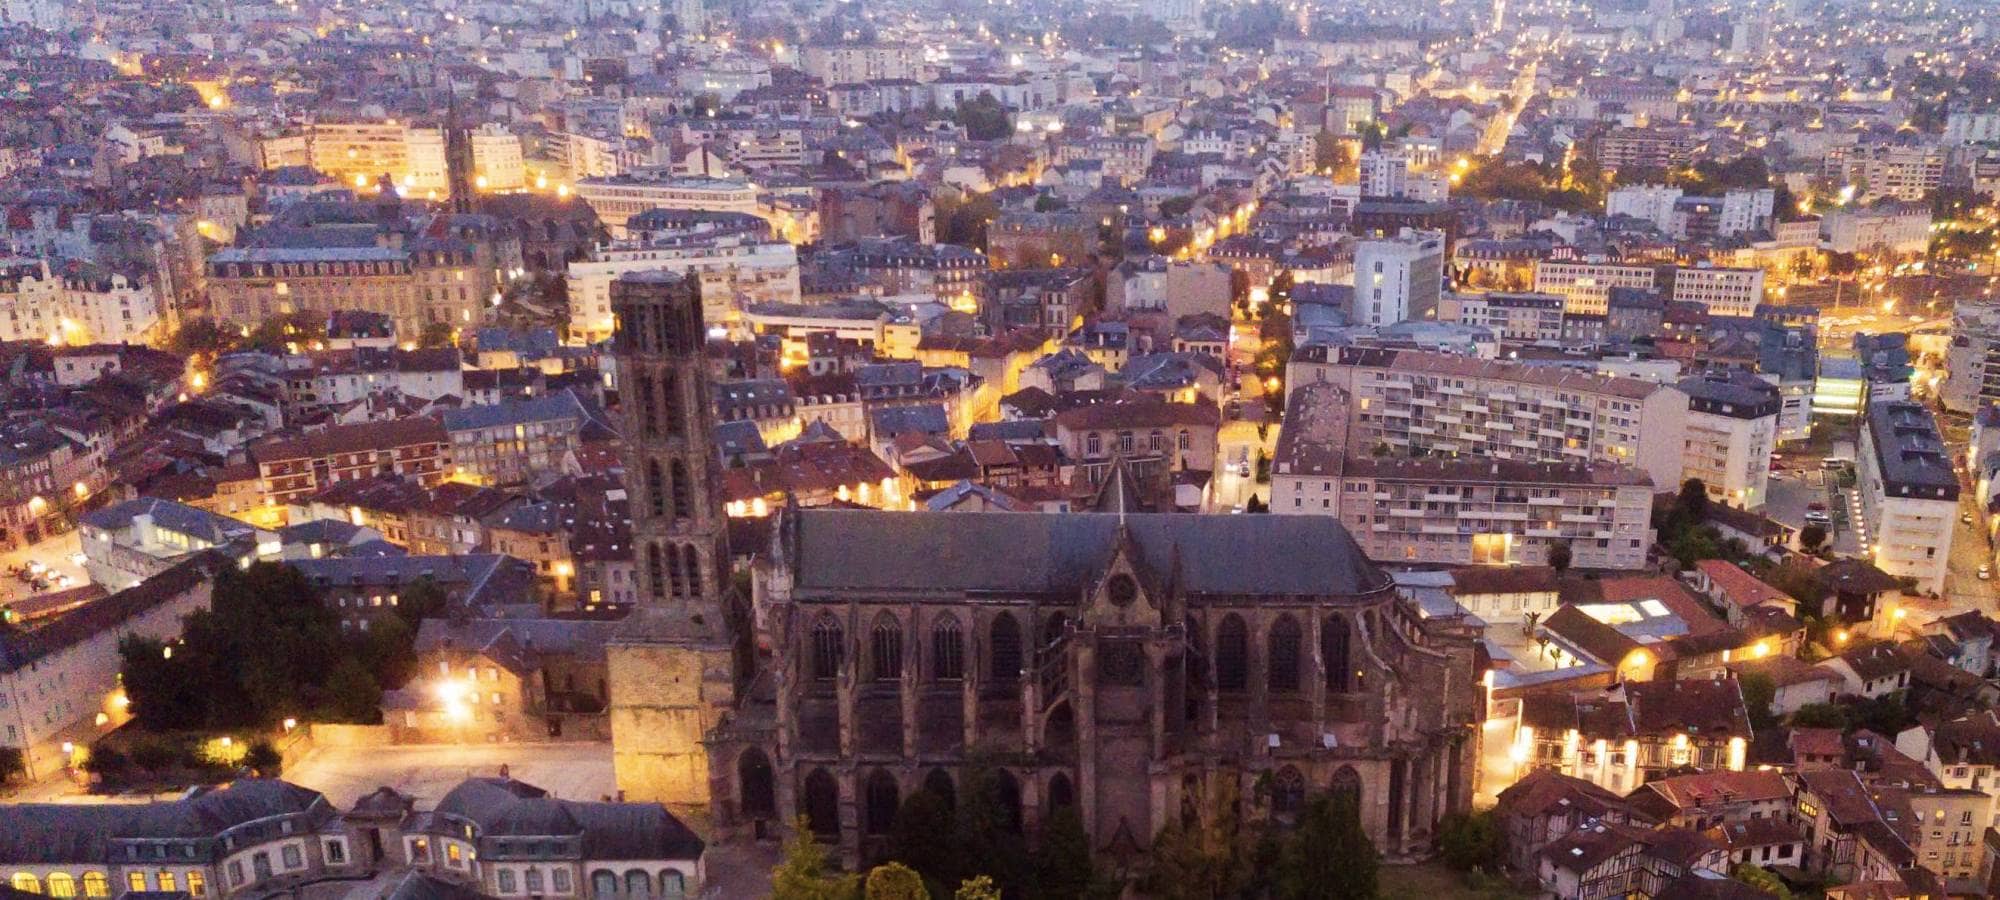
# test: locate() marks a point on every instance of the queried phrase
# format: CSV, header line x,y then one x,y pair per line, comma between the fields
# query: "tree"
x,y
1329,856
985,118
1761,879
1330,154
1758,693
1176,207
921,837
987,831
1062,862
435,335
1559,557
803,875
1812,538
1820,715
1207,858
200,337
1256,504
1692,503
263,759
352,695
895,881
1471,842
978,887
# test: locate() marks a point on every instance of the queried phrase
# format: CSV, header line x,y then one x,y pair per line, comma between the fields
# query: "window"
x,y
506,880
947,650
96,885
1005,644
887,649
135,881
197,883
236,871
1232,652
61,885
533,880
453,853
828,646
168,882
1284,655
290,854
560,879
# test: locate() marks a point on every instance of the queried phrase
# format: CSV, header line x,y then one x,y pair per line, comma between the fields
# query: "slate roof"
x,y
177,517
1010,553
610,831
32,833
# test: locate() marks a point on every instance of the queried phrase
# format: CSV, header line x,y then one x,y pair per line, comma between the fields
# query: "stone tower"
x,y
670,667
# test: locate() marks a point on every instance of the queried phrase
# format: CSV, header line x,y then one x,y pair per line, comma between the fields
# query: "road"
x,y
58,552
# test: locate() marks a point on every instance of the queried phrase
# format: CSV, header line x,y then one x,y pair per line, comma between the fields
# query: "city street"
x,y
58,553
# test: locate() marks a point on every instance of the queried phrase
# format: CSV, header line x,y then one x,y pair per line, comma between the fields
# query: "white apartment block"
x,y
848,63
1585,286
1410,400
1723,292
1909,174
1892,228
1398,279
1909,492
620,197
733,271
1386,173
86,307
1651,202
1525,318
1732,429
1972,128
1747,210
1459,511
1972,361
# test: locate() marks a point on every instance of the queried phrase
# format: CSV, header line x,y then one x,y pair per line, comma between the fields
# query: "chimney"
x,y
503,770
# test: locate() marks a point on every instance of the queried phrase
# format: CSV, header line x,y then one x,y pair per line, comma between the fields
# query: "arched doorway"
x,y
939,782
1062,794
882,796
822,805
756,785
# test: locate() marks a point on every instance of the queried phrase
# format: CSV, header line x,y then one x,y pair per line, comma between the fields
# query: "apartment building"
x,y
1883,228
616,198
1646,148
439,282
1721,291
1458,511
1908,174
849,63
1732,428
76,304
514,442
1398,279
1585,285
1909,492
1522,317
291,469
1394,174
1412,401
733,270
1972,361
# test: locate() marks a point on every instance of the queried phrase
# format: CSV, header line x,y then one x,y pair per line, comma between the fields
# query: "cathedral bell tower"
x,y
670,667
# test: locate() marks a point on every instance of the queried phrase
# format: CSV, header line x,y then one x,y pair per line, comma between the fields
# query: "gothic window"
x,y
1061,793
1283,654
656,489
1005,643
882,797
1346,786
670,401
692,561
1333,653
683,506
822,804
669,336
886,648
1288,792
947,651
1232,654
756,787
1053,629
656,576
674,575
642,397
1007,790
827,646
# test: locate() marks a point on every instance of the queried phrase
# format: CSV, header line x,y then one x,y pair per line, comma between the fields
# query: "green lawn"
x,y
1432,881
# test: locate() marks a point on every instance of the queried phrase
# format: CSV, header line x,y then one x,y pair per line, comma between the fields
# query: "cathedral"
x,y
1136,666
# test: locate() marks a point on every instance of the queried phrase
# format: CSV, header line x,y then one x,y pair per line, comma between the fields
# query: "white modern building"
x,y
1909,493
1722,291
734,271
1398,279
1651,202
1732,428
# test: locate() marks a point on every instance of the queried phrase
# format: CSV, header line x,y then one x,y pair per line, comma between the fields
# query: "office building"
x,y
1586,285
1723,292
